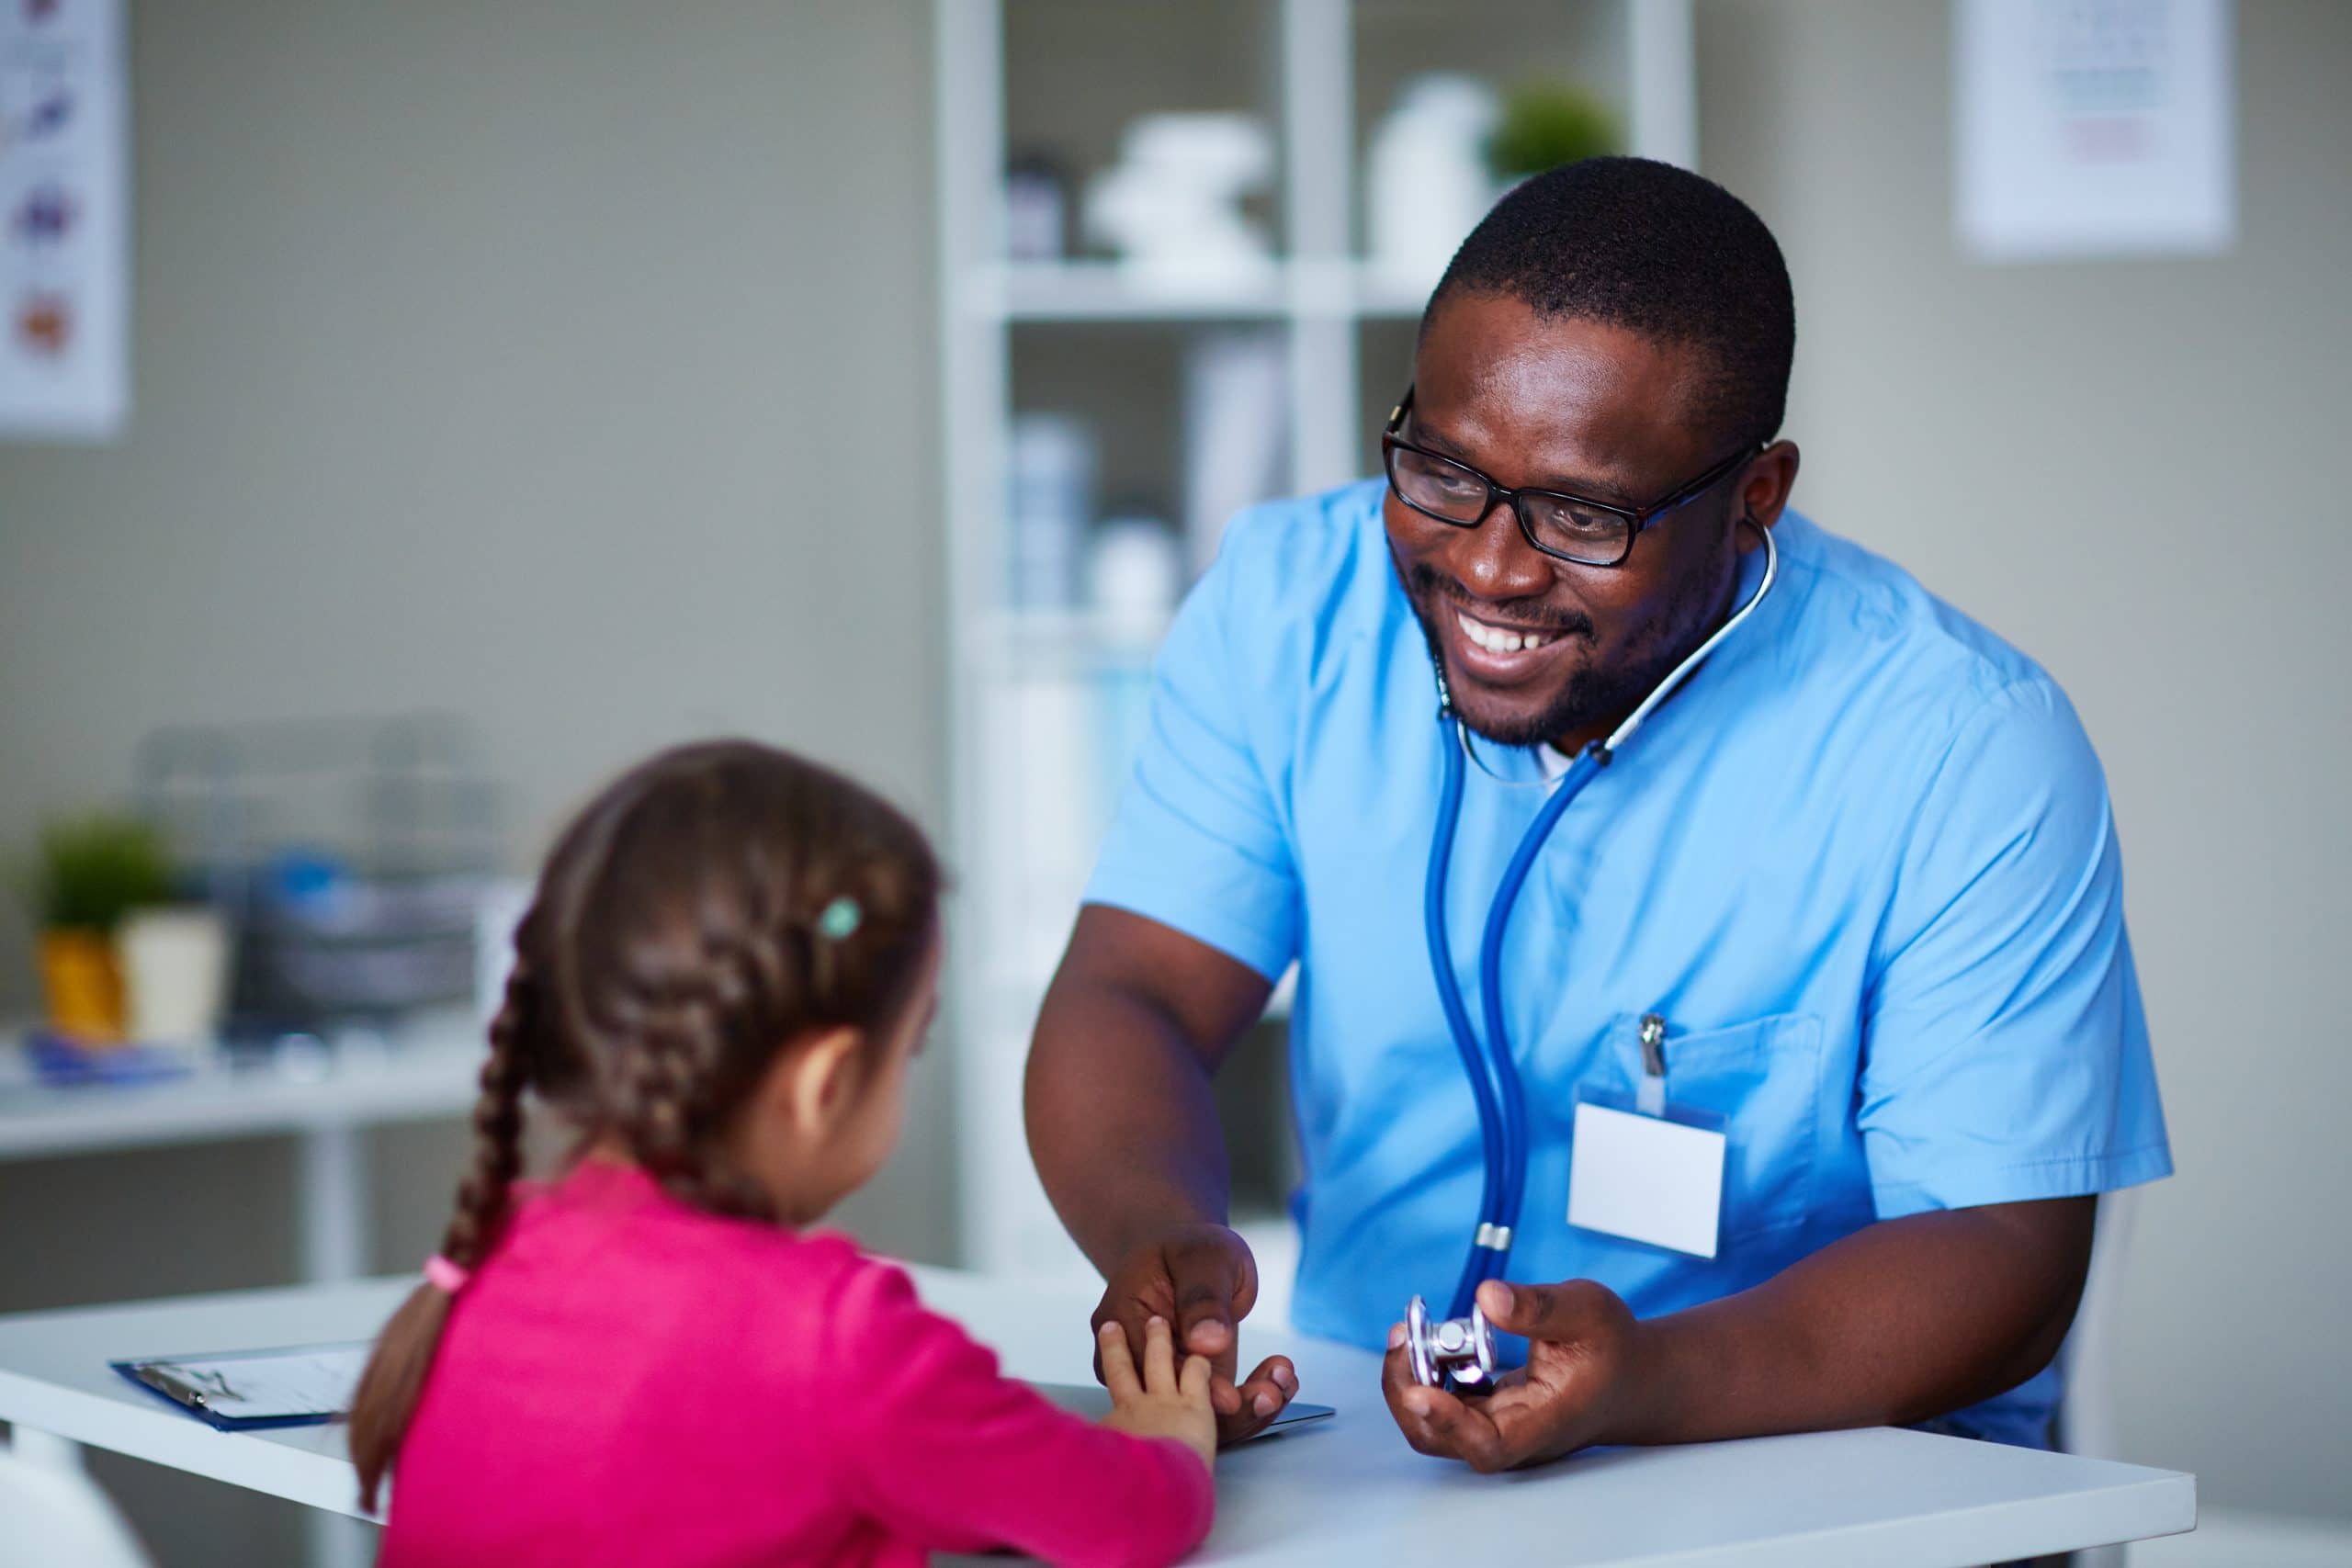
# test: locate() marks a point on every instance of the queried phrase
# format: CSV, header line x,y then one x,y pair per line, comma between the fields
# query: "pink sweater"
x,y
629,1380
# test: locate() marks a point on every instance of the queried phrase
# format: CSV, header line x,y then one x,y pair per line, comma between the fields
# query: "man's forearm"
x,y
1121,1121
1903,1320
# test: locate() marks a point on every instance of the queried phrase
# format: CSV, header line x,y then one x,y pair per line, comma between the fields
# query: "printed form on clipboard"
x,y
241,1388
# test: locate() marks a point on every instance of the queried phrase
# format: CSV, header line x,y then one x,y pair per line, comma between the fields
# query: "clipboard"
x,y
244,1391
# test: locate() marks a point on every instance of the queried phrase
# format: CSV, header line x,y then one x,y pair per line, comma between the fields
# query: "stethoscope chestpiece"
x,y
1456,1354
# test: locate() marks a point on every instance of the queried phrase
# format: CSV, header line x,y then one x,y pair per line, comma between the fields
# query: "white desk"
x,y
1345,1490
323,1099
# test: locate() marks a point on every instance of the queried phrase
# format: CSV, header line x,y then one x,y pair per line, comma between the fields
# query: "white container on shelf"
x,y
1134,572
1171,206
176,972
1426,181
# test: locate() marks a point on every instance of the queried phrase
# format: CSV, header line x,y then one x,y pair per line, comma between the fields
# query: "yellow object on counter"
x,y
82,978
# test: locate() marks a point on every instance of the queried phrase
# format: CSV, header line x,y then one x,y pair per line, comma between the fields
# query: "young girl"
x,y
731,957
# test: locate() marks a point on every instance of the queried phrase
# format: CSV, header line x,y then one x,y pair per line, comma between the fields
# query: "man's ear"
x,y
817,1080
1764,491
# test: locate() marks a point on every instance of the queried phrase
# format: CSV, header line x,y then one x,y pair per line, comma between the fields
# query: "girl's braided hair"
x,y
675,947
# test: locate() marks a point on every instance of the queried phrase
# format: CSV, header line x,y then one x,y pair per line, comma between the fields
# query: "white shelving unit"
x,y
1021,858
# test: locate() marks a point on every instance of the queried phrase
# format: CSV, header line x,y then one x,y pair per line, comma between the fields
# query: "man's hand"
x,y
1580,1372
1903,1320
1202,1279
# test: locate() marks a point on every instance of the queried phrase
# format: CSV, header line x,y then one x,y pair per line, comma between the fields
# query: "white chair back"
x,y
58,1514
2088,1422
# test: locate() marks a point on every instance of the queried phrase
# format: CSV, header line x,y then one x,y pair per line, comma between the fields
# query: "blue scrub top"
x,y
1862,862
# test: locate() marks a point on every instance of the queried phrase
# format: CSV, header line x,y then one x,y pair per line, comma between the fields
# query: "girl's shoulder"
x,y
632,1228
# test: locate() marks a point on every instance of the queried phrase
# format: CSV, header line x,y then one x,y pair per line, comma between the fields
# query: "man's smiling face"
x,y
1537,648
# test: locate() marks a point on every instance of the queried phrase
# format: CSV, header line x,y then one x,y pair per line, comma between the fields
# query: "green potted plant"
x,y
1545,124
93,872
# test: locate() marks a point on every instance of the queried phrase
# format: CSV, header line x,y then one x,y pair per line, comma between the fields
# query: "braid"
x,y
388,1390
675,1088
498,1126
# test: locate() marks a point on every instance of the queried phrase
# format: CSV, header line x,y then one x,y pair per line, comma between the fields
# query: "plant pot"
x,y
175,973
82,979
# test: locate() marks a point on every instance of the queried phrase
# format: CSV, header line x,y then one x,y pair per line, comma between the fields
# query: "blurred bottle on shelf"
x,y
1036,209
1049,470
1237,430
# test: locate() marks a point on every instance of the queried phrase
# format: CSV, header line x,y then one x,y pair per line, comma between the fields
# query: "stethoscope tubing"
x,y
1449,995
1492,1068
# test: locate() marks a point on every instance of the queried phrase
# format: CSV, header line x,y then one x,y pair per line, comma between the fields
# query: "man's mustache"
x,y
1432,589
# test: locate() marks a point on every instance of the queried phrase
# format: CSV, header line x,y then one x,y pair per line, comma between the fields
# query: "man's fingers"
x,y
1246,1409
1277,1371
1116,1361
1206,1281
1243,1425
1524,1418
1396,1382
1428,1418
1437,1423
1463,1430
1267,1390
1216,1283
1558,1313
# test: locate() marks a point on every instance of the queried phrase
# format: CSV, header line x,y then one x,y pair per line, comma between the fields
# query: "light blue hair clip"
x,y
839,920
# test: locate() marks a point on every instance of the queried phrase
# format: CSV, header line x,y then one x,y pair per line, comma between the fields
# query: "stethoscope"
x,y
1463,1345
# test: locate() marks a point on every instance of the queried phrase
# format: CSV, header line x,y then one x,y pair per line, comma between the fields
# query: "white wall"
x,y
2132,469
485,358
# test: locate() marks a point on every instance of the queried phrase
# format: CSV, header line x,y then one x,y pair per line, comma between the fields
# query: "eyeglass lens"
x,y
1448,491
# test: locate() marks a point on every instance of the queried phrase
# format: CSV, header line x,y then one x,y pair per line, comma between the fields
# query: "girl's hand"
x,y
1202,1279
1162,1402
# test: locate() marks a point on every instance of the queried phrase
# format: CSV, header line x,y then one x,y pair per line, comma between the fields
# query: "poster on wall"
x,y
64,220
2093,128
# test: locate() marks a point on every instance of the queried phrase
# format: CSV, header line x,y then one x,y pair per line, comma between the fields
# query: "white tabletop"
x,y
1344,1490
429,1068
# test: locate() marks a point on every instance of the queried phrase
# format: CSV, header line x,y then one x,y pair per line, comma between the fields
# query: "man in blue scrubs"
x,y
1858,867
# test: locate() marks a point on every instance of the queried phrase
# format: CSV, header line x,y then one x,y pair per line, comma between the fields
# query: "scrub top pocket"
x,y
1764,1079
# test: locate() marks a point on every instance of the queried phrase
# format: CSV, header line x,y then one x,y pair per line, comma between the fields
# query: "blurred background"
x,y
488,394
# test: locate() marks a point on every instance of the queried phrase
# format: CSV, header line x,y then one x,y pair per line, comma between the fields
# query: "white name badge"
x,y
1648,1179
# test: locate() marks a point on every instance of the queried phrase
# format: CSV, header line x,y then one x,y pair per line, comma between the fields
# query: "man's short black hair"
x,y
1656,250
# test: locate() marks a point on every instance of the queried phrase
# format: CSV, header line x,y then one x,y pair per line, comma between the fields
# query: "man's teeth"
x,y
1494,640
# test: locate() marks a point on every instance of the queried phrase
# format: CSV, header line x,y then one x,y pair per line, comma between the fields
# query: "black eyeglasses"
x,y
1565,527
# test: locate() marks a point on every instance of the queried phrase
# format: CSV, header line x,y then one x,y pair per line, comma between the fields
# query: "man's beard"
x,y
1592,696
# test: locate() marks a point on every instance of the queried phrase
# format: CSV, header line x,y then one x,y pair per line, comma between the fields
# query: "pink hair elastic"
x,y
446,1276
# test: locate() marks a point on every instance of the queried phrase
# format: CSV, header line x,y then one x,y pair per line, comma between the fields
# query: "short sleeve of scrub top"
x,y
2004,1056
1197,842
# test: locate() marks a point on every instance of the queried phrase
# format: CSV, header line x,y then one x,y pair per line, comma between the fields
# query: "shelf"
x,y
1326,290
1114,291
429,1068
